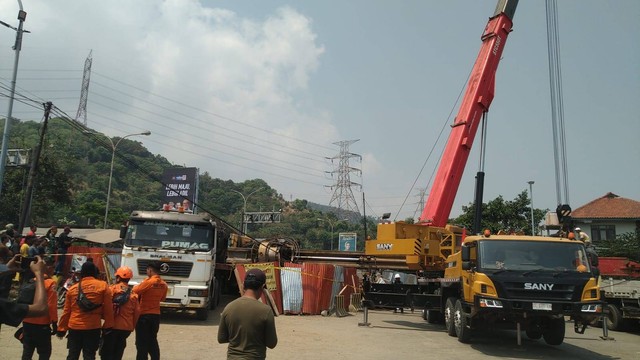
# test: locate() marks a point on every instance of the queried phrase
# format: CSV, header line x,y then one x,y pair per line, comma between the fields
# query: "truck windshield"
x,y
168,235
532,256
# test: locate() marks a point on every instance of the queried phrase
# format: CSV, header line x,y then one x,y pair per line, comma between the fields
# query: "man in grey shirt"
x,y
246,323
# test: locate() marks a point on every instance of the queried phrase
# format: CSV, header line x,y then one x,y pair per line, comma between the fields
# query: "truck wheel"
x,y
449,310
461,322
553,333
202,314
614,318
432,316
534,333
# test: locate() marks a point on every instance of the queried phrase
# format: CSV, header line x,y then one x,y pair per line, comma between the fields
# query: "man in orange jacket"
x,y
151,292
36,331
87,302
126,310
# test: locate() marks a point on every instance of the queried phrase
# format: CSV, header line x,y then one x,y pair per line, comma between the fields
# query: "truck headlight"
x,y
198,292
490,303
594,308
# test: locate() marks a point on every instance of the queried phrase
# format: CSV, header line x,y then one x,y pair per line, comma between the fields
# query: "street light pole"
x,y
533,228
331,224
243,225
113,155
22,16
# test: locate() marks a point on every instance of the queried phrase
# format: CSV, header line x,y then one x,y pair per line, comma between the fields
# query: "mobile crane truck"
x,y
531,282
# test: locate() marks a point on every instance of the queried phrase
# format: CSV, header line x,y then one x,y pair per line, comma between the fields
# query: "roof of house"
x,y
609,206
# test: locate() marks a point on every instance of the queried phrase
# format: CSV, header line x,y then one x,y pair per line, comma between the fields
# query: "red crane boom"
x,y
476,101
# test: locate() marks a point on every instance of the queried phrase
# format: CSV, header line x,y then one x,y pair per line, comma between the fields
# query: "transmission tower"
x,y
342,197
86,76
422,193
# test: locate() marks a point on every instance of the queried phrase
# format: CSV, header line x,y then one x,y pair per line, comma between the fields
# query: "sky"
x,y
263,89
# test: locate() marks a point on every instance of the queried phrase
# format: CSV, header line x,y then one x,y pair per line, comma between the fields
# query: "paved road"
x,y
390,336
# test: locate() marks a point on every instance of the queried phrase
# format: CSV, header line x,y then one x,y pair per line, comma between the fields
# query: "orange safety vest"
x,y
52,303
74,318
126,315
151,292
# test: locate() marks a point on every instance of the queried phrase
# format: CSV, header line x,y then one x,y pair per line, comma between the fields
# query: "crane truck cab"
x,y
532,281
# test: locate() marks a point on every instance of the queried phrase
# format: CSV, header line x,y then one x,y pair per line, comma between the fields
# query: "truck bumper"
x,y
185,297
517,309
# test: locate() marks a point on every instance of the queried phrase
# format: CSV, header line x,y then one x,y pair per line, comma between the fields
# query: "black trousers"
x,y
113,344
85,341
147,337
36,337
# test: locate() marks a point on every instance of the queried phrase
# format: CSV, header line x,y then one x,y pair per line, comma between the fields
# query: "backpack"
x,y
122,297
83,301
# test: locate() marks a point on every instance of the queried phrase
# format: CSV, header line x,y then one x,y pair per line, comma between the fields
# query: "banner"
x,y
181,188
347,241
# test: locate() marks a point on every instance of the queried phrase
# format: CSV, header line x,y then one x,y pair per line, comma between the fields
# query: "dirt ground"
x,y
389,336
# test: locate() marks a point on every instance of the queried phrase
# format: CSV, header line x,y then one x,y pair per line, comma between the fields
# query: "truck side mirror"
x,y
123,231
466,253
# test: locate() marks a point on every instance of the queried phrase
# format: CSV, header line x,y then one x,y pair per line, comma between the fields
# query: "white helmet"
x,y
578,229
396,276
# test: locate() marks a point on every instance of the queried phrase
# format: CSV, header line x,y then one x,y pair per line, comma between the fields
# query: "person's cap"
x,y
67,229
578,229
256,276
396,276
9,226
88,269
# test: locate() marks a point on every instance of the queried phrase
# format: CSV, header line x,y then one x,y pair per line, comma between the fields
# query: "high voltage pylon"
x,y
342,197
422,192
86,77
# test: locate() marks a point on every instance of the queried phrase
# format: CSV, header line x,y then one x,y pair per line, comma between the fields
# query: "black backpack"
x,y
122,297
83,301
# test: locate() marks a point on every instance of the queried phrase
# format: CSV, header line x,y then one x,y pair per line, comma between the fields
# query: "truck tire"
x,y
449,311
432,316
461,322
202,314
534,333
553,332
615,321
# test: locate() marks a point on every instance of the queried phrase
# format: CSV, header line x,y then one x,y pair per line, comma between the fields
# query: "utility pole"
x,y
22,16
533,228
342,197
33,171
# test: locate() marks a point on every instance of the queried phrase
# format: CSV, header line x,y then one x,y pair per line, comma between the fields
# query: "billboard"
x,y
347,241
180,188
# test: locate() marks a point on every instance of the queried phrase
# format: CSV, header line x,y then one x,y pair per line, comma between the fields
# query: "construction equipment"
x,y
474,281
620,286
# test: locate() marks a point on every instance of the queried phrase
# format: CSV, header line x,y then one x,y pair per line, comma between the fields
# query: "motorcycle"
x,y
73,278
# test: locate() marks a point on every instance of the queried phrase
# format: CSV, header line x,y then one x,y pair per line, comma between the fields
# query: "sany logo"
x,y
534,286
384,247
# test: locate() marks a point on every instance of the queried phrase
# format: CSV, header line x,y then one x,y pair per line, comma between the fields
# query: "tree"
x,y
625,245
499,214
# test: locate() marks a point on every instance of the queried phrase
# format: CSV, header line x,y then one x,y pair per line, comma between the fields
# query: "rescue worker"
x,y
37,330
82,318
126,310
151,292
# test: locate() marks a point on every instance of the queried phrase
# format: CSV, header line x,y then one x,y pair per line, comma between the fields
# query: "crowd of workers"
x,y
97,317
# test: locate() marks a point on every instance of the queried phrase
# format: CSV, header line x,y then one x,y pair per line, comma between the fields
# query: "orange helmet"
x,y
124,272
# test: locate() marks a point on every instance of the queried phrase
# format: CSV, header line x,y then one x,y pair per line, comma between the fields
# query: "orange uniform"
x,y
151,292
74,318
126,316
52,302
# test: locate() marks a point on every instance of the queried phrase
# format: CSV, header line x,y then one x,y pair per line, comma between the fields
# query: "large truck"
x,y
190,249
620,286
526,282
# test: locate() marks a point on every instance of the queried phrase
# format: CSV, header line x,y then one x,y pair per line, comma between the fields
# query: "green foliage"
x,y
625,245
499,214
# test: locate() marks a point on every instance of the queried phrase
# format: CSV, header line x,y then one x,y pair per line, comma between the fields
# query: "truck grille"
x,y
516,290
176,268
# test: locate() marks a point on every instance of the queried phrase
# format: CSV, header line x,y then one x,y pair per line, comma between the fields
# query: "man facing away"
x,y
151,292
246,323
37,330
84,324
126,311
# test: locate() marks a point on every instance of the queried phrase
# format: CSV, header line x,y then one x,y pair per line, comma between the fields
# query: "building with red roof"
x,y
608,216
